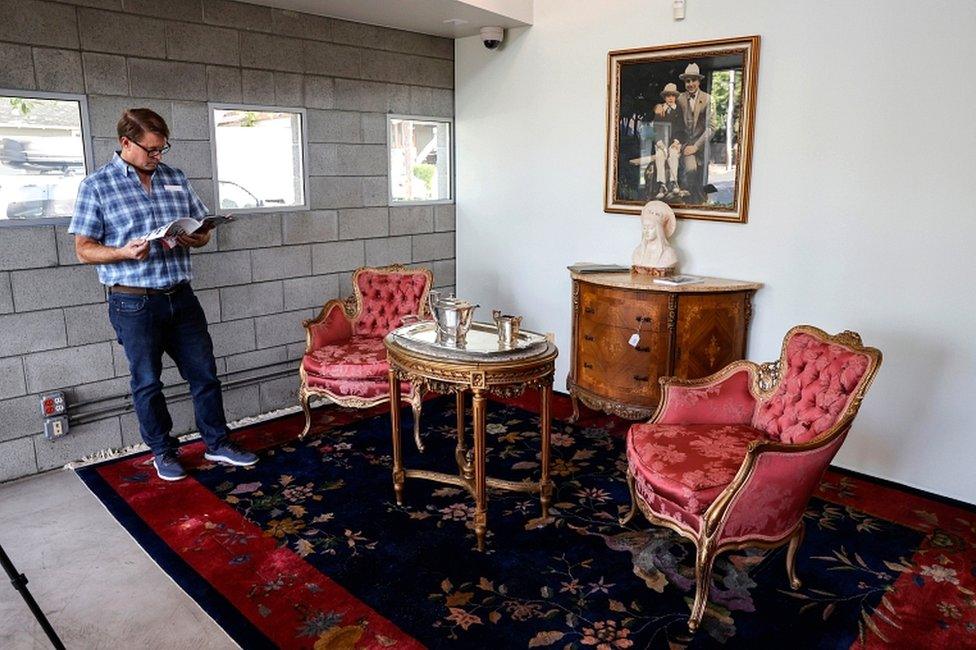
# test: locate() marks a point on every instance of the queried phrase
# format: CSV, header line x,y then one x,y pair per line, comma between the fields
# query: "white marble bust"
x,y
654,255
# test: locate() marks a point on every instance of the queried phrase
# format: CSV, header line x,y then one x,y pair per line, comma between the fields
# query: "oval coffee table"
x,y
483,366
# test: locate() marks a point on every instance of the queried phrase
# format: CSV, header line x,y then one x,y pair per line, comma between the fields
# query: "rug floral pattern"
x,y
582,581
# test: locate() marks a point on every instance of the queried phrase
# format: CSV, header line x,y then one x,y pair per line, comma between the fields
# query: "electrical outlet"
x,y
55,427
53,404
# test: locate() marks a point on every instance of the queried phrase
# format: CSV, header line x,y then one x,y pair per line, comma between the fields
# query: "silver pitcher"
x,y
453,318
508,328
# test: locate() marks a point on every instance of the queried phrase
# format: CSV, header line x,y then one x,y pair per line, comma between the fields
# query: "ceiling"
x,y
448,18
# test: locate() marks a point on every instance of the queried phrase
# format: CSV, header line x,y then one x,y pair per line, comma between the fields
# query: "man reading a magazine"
x,y
150,304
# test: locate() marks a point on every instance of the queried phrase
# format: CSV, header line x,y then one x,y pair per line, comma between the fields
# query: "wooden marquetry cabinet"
x,y
686,331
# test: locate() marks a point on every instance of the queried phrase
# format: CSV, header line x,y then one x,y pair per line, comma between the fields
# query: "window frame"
x,y
389,175
86,142
215,106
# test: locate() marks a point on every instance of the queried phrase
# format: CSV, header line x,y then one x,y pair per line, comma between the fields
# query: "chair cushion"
x,y
368,389
359,357
688,464
817,385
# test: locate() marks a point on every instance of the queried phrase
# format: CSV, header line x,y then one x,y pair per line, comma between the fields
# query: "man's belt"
x,y
144,291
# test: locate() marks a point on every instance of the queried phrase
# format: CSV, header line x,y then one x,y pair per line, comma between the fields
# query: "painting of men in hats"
x,y
695,104
677,128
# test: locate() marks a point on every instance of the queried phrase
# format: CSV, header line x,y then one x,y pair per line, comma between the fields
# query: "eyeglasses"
x,y
152,152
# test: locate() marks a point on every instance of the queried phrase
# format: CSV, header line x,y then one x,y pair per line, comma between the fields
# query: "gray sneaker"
x,y
168,466
230,453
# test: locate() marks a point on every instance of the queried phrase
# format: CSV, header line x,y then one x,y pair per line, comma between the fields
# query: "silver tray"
x,y
481,342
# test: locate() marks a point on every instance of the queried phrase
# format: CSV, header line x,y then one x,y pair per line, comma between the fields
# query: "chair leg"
x,y
416,402
704,559
627,518
794,546
303,398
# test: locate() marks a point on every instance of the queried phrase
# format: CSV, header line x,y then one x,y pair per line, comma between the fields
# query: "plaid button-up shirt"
x,y
114,208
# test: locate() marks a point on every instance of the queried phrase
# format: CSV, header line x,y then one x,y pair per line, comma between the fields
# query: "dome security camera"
x,y
492,37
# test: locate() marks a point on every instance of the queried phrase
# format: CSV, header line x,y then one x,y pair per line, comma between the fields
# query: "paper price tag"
x,y
634,339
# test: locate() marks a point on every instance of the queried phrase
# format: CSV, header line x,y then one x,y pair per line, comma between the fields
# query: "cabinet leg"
x,y
574,418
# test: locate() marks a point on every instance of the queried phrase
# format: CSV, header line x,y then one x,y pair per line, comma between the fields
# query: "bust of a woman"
x,y
654,255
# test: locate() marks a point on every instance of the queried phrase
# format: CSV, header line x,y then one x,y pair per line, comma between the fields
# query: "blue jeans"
x,y
147,326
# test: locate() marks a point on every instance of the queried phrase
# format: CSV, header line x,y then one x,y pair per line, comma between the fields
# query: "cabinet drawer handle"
x,y
641,348
588,337
588,366
643,319
641,377
589,310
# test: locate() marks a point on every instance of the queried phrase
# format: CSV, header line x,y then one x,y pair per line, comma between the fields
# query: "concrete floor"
x,y
96,585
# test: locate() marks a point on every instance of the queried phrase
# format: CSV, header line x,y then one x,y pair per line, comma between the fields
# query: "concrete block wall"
x,y
261,275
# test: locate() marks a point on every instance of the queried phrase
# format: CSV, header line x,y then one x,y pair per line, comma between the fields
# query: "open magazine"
x,y
677,280
168,233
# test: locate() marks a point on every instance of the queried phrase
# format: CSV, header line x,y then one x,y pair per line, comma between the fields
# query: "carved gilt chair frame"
x,y
351,307
764,381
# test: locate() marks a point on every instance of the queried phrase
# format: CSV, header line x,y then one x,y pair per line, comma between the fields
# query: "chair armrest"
x,y
332,325
725,397
769,494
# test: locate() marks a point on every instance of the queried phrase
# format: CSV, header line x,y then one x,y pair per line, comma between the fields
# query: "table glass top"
x,y
481,342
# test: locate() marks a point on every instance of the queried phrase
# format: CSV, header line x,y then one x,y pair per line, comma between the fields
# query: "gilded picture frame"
x,y
680,122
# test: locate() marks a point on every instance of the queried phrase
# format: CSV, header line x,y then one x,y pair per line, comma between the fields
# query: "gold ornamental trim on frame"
x,y
638,80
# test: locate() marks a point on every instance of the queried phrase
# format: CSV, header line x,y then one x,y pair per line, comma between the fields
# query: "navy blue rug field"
x,y
583,581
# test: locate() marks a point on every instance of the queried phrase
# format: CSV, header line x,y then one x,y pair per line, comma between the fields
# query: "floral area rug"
x,y
309,549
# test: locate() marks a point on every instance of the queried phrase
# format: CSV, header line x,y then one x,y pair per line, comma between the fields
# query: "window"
x,y
44,154
259,158
420,159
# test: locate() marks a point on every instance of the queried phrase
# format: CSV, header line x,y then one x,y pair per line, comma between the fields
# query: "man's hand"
x,y
196,239
137,249
659,110
691,150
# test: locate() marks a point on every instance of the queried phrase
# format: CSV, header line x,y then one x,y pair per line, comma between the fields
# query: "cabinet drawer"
x,y
608,364
623,308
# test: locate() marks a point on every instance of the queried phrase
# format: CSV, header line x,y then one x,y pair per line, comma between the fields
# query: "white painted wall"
x,y
862,211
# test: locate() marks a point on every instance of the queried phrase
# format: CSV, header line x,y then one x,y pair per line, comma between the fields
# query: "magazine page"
x,y
217,219
186,225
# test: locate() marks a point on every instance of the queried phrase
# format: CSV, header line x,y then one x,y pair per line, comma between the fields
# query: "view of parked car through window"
x,y
260,161
42,157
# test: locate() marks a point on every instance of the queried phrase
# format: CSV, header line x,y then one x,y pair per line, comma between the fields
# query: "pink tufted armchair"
x,y
731,460
345,359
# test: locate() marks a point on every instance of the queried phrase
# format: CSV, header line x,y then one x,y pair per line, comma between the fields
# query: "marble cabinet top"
x,y
646,283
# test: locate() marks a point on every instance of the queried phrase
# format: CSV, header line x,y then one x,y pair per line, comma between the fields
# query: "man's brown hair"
x,y
137,121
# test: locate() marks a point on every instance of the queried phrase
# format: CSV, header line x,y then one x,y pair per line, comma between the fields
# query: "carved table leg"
x,y
461,451
416,402
545,420
398,474
480,480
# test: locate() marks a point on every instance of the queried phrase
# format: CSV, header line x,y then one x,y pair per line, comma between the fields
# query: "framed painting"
x,y
680,124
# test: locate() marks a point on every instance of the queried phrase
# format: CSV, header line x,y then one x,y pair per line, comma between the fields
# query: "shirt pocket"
x,y
125,223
